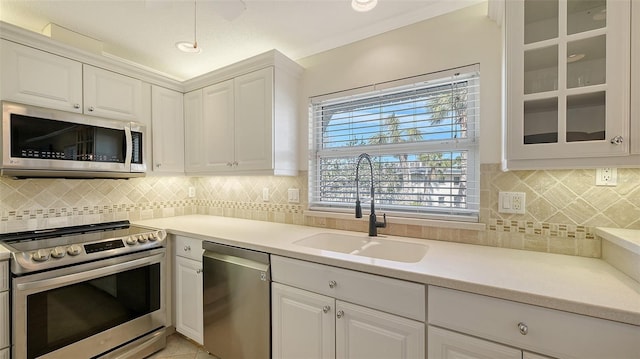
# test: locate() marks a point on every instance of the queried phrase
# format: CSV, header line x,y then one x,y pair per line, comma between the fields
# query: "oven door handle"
x,y
91,274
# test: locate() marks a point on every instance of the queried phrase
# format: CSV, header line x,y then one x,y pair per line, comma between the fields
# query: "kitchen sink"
x,y
372,247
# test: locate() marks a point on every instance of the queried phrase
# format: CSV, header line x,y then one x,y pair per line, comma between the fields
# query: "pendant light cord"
x,y
195,24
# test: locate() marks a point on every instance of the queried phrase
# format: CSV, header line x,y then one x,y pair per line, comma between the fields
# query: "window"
x,y
422,135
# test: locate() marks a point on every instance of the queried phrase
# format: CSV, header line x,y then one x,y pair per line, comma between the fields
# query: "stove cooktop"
x,y
56,247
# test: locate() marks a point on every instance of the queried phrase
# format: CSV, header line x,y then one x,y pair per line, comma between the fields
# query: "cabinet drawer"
x,y
550,332
390,295
189,248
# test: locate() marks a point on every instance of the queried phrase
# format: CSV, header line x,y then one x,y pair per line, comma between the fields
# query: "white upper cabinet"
x,y
568,70
111,95
167,117
39,78
246,123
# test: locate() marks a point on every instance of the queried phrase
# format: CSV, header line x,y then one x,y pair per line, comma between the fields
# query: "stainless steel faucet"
x,y
373,222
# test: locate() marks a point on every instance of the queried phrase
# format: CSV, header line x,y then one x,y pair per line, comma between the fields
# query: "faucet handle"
x,y
382,224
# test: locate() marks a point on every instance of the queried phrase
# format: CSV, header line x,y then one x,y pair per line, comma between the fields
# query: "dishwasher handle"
x,y
240,261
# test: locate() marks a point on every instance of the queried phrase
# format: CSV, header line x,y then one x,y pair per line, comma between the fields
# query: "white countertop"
x,y
574,284
628,239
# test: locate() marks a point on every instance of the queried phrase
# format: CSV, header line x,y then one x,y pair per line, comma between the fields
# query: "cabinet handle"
x,y
332,284
91,108
229,164
235,163
187,248
158,165
326,309
522,327
199,270
340,314
76,105
617,140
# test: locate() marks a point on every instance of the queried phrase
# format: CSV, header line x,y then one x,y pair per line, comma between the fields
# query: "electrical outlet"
x,y
511,202
192,192
606,176
265,194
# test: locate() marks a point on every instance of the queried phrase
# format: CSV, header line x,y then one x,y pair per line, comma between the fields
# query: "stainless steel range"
x,y
87,291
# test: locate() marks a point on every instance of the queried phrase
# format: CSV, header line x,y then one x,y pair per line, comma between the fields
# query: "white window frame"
x,y
469,144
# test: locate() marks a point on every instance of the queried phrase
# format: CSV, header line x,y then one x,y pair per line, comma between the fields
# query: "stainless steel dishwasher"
x,y
236,302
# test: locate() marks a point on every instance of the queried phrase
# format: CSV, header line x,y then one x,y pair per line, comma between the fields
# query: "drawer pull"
x,y
523,328
187,248
326,309
332,284
340,314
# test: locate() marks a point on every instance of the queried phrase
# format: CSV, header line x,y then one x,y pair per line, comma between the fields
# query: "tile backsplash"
x,y
562,206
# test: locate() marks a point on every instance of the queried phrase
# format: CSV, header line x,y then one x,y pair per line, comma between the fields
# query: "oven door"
x,y
85,310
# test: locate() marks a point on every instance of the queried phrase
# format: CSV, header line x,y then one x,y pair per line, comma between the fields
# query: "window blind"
x,y
422,135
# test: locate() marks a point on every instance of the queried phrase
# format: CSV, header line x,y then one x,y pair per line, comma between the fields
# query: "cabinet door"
x,y
4,319
193,135
188,291
168,130
111,95
218,127
303,324
568,78
444,344
254,120
39,78
366,333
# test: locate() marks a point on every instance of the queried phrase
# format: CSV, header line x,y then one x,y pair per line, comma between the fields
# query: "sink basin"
x,y
372,247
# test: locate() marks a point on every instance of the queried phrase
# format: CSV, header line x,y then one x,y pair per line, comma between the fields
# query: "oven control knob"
x,y
40,255
153,237
131,240
74,250
58,252
142,238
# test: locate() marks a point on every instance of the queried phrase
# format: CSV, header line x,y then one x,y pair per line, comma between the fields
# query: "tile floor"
x,y
179,347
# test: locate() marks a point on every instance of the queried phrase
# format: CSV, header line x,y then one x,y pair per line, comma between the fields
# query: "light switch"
x,y
294,195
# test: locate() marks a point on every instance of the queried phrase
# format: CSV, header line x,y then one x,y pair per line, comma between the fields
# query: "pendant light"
x,y
187,46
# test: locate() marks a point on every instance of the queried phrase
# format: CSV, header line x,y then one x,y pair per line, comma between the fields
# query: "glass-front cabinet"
x,y
568,68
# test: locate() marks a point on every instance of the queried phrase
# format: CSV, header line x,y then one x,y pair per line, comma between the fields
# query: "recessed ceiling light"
x,y
575,57
188,47
363,5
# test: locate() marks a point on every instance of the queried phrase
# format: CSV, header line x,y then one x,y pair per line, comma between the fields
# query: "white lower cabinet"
x,y
311,317
188,288
303,323
4,310
467,325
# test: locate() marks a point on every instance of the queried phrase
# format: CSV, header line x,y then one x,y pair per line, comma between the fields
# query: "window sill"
x,y
404,220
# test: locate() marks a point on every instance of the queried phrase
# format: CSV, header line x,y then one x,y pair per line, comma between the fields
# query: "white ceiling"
x,y
145,31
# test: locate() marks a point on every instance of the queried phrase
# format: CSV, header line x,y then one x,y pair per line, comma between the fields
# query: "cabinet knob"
x,y
91,108
199,270
229,164
522,327
326,309
158,165
617,140
76,105
340,314
332,284
235,163
187,248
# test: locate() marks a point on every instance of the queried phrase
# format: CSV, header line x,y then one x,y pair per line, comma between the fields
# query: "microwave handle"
x,y
129,146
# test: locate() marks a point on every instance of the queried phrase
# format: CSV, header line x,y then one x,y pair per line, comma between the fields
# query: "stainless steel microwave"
x,y
41,142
